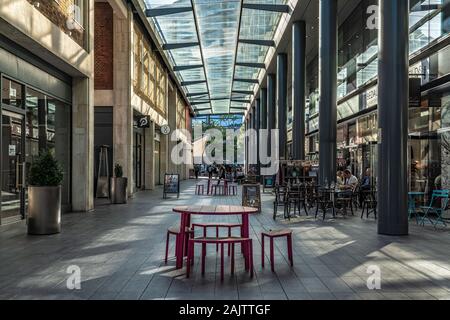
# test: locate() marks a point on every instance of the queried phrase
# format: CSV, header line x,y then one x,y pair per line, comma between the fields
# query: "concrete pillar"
x,y
82,144
393,103
83,132
149,157
298,89
282,102
123,110
328,90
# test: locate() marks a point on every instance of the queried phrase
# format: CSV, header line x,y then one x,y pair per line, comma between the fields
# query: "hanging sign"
x,y
143,122
12,150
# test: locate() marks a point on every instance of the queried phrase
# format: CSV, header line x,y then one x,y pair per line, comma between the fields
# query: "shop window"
x,y
11,93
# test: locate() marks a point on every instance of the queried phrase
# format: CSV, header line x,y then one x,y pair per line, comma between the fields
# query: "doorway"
x,y
12,167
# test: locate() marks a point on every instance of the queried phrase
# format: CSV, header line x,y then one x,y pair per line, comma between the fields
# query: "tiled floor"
x,y
120,252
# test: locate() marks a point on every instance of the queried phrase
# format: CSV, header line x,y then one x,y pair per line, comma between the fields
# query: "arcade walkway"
x,y
120,252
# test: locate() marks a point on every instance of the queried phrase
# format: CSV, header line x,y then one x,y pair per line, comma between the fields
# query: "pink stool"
x,y
272,235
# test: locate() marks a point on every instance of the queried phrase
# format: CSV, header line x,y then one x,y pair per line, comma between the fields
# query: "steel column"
x,y
328,90
298,89
282,102
393,88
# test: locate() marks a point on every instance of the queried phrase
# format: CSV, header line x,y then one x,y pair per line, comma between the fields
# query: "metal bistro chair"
x,y
369,203
280,200
325,201
438,205
296,195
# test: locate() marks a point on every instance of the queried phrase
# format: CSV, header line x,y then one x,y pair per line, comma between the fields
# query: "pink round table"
x,y
187,211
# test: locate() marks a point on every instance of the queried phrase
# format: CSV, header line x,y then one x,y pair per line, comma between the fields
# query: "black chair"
x,y
280,200
346,200
370,203
325,201
296,196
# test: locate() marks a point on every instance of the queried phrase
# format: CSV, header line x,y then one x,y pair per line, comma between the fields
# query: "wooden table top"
x,y
215,210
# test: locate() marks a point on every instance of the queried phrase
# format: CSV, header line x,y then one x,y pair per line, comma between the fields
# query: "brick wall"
x,y
103,40
58,12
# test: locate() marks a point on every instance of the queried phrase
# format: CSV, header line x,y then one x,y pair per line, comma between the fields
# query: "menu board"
x,y
171,185
251,196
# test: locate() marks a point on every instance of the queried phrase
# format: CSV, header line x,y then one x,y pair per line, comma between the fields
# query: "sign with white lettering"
x,y
12,150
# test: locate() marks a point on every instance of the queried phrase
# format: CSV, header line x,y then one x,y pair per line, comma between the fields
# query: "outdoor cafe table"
x,y
187,211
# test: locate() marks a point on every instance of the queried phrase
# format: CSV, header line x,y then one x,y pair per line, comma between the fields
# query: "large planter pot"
x,y
44,210
118,190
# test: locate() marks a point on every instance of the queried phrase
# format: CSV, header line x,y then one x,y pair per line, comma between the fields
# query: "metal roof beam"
x,y
255,81
197,94
251,65
283,8
174,46
267,43
241,101
182,68
165,11
245,92
190,83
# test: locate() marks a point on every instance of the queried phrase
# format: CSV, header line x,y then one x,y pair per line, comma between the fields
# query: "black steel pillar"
x,y
282,102
298,89
328,90
257,127
271,108
393,88
263,108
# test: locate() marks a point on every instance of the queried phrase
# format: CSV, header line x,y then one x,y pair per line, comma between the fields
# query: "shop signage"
x,y
251,196
372,97
143,122
171,185
12,150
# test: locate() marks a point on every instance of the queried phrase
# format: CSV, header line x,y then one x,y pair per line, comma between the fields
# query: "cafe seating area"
x,y
212,247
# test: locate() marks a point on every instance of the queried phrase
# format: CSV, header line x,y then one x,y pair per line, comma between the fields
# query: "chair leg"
x,y
221,262
251,258
167,247
217,236
262,251
203,258
229,235
289,247
232,259
272,256
189,258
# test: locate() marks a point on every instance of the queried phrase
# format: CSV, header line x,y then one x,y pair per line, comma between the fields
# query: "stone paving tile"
x,y
120,252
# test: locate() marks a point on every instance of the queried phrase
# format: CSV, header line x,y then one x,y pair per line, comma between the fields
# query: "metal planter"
x,y
44,210
118,190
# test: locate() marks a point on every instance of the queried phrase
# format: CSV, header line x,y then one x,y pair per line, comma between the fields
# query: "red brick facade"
x,y
103,54
58,12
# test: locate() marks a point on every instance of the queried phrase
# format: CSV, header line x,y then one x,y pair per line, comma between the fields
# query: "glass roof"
x,y
212,36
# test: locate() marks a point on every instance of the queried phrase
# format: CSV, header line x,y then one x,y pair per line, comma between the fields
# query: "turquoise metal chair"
x,y
438,205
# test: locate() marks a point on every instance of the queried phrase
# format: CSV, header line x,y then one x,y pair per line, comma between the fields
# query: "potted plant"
x,y
44,195
118,186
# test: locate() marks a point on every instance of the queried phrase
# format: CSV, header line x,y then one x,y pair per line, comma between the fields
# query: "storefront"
x,y
32,120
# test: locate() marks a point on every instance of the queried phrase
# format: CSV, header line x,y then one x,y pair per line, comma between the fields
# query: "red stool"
x,y
200,189
176,232
232,189
219,241
218,226
272,235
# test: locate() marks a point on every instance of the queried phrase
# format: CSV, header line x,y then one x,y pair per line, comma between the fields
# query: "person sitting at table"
x,y
340,178
366,181
350,182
